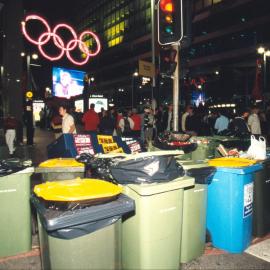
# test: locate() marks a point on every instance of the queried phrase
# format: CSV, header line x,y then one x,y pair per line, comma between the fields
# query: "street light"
x,y
266,53
135,74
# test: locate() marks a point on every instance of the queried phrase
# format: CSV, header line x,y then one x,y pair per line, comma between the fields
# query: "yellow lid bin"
x,y
76,190
231,162
60,162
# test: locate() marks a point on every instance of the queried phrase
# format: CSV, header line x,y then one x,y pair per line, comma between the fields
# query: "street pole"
x,y
132,92
176,89
264,73
153,47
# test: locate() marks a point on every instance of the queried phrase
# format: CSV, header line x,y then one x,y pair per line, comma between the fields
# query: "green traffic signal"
x,y
169,29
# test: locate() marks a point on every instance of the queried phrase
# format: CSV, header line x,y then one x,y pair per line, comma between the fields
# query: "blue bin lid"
x,y
242,170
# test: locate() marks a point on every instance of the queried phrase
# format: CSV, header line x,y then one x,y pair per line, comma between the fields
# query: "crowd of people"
x,y
196,121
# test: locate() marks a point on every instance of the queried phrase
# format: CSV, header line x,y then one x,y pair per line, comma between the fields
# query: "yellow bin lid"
x,y
60,162
76,190
231,162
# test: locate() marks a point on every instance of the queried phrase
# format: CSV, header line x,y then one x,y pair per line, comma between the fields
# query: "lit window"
x,y
122,26
207,3
216,1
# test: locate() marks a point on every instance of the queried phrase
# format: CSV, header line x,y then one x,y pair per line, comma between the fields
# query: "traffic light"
x,y
170,21
167,61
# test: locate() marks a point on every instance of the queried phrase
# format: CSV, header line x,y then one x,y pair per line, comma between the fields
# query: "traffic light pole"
x,y
176,89
153,3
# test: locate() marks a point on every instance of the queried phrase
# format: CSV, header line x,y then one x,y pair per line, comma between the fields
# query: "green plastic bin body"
x,y
151,237
86,252
194,217
84,238
15,212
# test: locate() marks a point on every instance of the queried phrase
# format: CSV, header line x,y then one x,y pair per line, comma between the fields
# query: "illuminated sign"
x,y
29,94
65,49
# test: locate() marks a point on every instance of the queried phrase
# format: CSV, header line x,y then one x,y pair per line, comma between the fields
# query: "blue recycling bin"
x,y
230,207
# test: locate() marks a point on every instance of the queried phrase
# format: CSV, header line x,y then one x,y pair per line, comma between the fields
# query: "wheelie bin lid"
x,y
76,190
60,165
60,162
231,162
95,217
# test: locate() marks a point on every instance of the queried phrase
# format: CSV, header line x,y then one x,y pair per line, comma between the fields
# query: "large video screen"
x,y
198,97
99,103
67,82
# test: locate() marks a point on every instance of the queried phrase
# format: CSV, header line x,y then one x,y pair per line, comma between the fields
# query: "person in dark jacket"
x,y
239,125
107,124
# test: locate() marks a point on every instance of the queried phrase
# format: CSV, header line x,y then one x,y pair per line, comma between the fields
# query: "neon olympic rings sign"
x,y
58,41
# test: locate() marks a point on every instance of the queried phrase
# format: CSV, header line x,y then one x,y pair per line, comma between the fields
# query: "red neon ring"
x,y
62,25
70,57
35,17
87,32
55,58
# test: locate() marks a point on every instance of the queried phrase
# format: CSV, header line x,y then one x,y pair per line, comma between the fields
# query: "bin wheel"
x,y
208,237
33,225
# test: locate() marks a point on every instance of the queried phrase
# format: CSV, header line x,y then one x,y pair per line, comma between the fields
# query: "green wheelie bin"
x,y
60,169
194,210
15,212
84,232
151,237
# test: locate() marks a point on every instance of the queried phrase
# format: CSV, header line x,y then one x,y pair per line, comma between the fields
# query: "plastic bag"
x,y
147,170
257,149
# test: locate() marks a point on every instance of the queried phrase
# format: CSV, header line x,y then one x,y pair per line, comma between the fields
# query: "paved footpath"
x,y
256,257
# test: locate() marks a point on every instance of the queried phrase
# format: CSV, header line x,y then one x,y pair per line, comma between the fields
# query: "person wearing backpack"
x,y
126,125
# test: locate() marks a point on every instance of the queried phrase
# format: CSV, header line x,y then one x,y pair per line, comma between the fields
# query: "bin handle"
x,y
73,232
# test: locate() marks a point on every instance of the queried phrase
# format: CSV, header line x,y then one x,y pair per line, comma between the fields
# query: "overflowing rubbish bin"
x,y
230,203
194,211
261,205
151,236
79,223
15,210
60,169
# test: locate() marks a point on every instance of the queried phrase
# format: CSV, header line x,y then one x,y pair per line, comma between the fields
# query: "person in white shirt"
x,y
188,111
254,121
68,124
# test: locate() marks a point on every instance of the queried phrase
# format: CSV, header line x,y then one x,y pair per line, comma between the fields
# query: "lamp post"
x,y
135,74
265,53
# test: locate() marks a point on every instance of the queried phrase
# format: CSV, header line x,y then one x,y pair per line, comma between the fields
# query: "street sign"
x,y
146,69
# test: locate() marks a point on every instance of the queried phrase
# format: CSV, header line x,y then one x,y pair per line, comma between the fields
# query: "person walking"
x,y
239,125
68,124
136,131
107,124
126,125
254,121
188,112
91,121
148,124
10,125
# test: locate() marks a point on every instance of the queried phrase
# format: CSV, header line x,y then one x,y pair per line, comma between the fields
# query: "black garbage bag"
x,y
202,175
149,169
96,167
12,165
